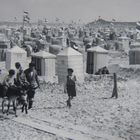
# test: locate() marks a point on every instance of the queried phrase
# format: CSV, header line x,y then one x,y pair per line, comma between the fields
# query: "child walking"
x,y
70,86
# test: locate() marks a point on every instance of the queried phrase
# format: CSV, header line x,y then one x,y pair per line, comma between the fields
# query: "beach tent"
x,y
124,42
63,41
97,58
55,49
69,58
4,45
135,45
45,65
134,53
16,54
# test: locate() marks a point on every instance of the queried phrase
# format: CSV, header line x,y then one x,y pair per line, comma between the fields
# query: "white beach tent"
x,y
134,56
55,49
4,45
16,54
69,58
45,65
124,42
63,40
134,53
135,45
97,58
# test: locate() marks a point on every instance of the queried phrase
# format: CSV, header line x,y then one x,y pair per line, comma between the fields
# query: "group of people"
x,y
103,70
19,78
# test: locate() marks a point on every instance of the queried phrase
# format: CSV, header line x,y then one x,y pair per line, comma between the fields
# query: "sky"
x,y
68,10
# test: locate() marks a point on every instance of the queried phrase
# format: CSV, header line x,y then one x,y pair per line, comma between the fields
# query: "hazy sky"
x,y
86,10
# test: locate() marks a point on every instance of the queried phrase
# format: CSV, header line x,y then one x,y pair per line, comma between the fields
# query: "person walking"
x,y
70,86
32,79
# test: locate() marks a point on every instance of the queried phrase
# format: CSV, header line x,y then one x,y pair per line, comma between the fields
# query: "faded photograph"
x,y
69,70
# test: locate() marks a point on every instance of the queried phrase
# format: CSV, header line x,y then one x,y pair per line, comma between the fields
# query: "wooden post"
x,y
115,91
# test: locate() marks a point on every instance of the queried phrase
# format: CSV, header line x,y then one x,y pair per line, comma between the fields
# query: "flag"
x,y
26,18
26,12
15,19
46,20
138,26
112,23
57,19
113,20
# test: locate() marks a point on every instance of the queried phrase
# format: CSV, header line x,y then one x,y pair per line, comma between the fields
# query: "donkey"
x,y
17,96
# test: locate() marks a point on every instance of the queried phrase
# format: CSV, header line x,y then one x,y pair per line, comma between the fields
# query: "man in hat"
x,y
32,79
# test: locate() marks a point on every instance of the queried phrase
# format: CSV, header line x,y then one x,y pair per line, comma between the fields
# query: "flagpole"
x,y
26,19
23,29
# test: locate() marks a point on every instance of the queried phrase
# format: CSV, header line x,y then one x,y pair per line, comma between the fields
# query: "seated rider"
x,y
8,81
21,82
20,78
